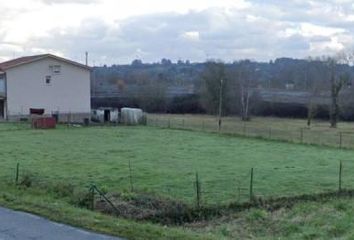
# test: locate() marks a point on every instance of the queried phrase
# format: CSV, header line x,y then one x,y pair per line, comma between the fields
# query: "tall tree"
x,y
316,74
337,83
214,89
245,81
339,79
212,75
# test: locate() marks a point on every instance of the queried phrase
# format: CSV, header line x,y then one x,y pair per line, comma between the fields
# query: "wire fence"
x,y
199,188
301,135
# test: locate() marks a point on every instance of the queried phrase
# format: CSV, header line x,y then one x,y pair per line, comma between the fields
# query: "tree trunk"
x,y
244,104
309,114
334,111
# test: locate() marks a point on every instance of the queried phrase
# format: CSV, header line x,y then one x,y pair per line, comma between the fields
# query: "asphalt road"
x,y
23,226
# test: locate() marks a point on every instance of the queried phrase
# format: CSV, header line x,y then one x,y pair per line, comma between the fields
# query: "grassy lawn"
x,y
294,130
39,202
310,220
165,162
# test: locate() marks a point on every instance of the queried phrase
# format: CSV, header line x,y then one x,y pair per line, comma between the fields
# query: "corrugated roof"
x,y
28,59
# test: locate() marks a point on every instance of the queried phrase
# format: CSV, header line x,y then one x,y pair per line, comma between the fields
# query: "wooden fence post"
x,y
301,135
169,123
183,123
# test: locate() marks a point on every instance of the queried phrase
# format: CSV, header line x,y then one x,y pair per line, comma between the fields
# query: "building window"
x,y
55,69
48,80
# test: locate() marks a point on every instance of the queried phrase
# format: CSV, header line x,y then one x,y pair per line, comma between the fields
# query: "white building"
x,y
46,82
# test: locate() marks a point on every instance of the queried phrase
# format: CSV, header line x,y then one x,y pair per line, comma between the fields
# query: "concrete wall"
x,y
68,91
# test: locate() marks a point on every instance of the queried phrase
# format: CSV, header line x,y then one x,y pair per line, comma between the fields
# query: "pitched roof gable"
x,y
29,59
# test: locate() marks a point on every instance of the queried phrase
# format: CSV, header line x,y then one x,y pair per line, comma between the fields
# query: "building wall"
x,y
68,92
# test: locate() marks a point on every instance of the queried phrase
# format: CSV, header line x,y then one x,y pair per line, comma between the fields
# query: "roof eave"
x,y
46,56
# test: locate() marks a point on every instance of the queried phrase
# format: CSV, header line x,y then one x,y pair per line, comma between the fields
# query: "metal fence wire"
x,y
301,135
199,189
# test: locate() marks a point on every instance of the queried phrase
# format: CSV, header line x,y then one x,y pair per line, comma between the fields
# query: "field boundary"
x,y
342,139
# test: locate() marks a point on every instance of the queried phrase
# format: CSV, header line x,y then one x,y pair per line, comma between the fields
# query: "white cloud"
x,y
191,35
117,31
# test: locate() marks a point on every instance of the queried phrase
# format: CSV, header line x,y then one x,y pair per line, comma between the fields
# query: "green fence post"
x,y
340,176
130,177
270,133
92,197
198,189
251,185
340,140
17,173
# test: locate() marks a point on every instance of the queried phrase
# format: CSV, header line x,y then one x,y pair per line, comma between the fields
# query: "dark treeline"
x,y
284,87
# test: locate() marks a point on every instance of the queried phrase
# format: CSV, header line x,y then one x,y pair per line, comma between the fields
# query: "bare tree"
x,y
337,83
338,80
314,77
214,86
245,80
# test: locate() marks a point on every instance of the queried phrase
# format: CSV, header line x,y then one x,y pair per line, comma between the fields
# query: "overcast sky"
x,y
118,31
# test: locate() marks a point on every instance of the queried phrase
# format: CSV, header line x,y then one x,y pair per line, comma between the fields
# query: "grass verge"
x,y
41,203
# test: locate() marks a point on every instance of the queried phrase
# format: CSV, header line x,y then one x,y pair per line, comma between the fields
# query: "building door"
x,y
2,108
107,115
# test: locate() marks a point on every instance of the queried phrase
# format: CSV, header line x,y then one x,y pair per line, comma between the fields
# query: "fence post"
x,y
169,123
183,123
68,119
130,177
301,135
251,185
270,133
92,197
198,189
244,129
17,172
203,125
340,176
340,140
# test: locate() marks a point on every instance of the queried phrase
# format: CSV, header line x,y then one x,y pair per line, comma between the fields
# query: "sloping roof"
x,y
29,59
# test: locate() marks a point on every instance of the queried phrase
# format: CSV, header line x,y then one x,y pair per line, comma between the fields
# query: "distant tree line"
x,y
185,87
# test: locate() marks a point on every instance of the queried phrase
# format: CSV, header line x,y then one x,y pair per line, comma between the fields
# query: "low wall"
x,y
62,117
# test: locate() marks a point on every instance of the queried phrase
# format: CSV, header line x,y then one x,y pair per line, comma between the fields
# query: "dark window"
x,y
48,80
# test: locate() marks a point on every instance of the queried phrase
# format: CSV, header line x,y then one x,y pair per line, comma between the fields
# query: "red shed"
x,y
44,123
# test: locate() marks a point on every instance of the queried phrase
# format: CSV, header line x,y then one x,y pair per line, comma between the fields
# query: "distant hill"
x,y
284,80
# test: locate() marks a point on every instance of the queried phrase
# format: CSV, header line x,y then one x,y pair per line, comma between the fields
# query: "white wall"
x,y
68,92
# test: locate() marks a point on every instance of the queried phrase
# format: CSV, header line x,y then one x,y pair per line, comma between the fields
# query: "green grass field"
x,y
292,130
332,219
164,162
